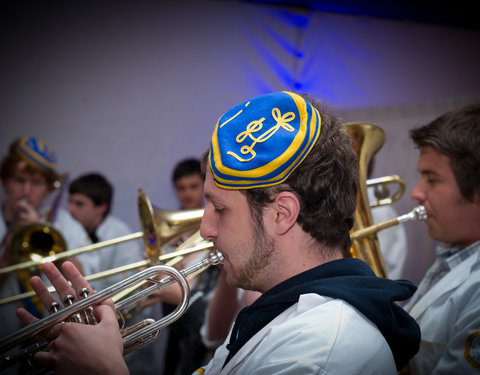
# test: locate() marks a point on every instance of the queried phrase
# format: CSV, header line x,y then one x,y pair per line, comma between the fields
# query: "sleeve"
x,y
462,353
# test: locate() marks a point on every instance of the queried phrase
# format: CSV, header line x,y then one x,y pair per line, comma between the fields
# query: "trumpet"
x,y
134,337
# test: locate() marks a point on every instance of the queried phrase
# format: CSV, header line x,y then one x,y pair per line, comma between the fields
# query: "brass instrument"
x,y
418,213
193,244
382,193
39,243
158,227
38,240
368,139
134,337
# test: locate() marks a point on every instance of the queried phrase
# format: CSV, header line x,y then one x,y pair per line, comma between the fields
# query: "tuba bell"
x,y
368,139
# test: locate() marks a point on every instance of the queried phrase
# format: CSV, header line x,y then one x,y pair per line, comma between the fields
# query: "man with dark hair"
x,y
280,190
188,182
90,202
447,302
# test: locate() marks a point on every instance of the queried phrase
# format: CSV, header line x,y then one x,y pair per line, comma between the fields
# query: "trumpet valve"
x,y
67,301
89,314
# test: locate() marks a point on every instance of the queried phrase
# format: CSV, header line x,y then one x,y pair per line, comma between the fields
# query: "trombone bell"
x,y
160,227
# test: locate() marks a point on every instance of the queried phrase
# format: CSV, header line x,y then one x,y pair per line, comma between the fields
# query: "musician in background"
x,y
188,181
279,207
447,302
90,203
186,350
28,173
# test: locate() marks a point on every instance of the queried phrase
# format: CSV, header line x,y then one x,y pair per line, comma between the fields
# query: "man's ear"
x,y
287,209
103,208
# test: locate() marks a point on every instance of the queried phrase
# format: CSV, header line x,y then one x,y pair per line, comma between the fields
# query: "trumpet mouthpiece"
x,y
420,213
215,257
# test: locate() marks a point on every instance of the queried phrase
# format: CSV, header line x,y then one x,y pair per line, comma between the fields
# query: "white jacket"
x,y
449,319
317,335
114,256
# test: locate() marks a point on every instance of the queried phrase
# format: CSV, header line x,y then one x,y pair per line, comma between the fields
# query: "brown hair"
x,y
325,184
11,160
456,134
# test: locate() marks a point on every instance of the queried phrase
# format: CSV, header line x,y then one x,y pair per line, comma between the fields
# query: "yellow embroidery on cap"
x,y
472,350
256,126
275,163
235,115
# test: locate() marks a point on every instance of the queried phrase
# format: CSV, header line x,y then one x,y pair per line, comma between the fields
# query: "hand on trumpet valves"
x,y
67,340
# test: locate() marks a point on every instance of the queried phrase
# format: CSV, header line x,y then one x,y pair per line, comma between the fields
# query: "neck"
x,y
298,254
94,225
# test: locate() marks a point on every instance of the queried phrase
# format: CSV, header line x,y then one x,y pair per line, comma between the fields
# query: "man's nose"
x,y
207,226
27,188
418,193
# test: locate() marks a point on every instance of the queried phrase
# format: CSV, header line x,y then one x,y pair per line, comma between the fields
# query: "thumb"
x,y
105,312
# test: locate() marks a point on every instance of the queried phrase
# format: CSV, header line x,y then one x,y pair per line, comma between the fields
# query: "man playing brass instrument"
x,y
28,177
280,193
447,302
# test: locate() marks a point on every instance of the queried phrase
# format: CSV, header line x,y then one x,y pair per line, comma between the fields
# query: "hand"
x,y
26,214
74,347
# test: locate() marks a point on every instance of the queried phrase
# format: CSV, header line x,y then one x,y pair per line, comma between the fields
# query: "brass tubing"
x,y
71,253
142,263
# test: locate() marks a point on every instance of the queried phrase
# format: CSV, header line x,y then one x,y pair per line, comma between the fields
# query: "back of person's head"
x,y
320,169
186,167
37,156
456,134
95,186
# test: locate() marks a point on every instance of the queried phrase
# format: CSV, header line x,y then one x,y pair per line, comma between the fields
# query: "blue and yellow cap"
x,y
260,142
37,153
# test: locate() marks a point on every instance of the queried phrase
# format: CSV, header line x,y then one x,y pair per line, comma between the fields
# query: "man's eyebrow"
x,y
212,197
428,171
208,196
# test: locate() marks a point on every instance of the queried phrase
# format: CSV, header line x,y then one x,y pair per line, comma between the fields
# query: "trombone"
x,y
192,245
42,243
134,337
158,228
